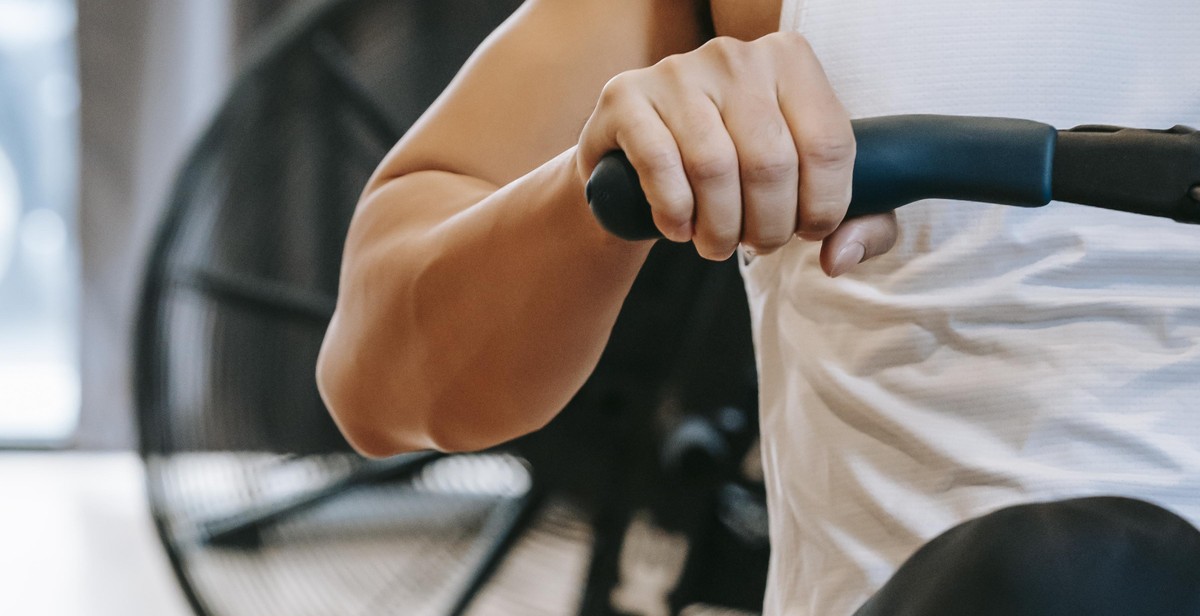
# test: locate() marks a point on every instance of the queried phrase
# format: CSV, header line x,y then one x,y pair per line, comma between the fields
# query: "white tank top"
x,y
997,355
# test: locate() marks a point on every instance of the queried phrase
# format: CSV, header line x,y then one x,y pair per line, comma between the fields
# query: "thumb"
x,y
856,240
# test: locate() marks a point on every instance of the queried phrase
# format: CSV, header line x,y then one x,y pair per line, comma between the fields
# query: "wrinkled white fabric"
x,y
997,355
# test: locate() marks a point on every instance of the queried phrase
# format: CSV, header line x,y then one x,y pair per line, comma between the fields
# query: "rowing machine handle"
x,y
900,159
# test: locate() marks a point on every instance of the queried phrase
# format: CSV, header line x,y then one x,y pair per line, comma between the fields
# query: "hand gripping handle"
x,y
900,159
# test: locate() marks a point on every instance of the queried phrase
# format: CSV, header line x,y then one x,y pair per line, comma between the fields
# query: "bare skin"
x,y
477,291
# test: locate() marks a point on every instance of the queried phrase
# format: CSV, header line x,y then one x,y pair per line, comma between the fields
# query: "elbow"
x,y
354,404
361,434
404,429
469,433
379,423
360,423
371,443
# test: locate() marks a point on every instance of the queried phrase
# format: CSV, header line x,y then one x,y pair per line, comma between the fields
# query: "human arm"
x,y
477,293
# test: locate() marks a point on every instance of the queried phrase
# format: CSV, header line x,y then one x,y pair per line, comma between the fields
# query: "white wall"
x,y
151,73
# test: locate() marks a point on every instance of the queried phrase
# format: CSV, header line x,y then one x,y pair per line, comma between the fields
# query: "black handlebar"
x,y
907,158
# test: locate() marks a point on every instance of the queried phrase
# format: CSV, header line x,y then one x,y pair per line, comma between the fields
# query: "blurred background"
x,y
176,179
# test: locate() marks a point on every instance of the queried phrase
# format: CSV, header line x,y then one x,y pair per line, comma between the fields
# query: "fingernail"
x,y
849,256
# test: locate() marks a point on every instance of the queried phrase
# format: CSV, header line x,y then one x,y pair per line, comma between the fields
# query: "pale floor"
x,y
76,539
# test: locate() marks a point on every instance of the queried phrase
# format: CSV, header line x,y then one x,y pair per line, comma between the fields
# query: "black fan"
x,y
633,501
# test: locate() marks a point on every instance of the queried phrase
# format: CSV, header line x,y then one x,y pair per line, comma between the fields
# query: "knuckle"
x,y
709,167
769,226
768,241
618,90
716,240
672,207
790,40
670,216
820,222
880,233
729,53
722,45
657,159
828,150
673,65
768,168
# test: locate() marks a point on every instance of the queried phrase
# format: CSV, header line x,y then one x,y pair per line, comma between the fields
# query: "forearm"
x,y
469,315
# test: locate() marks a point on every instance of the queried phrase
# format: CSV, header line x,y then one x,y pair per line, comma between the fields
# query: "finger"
x,y
634,127
857,240
653,152
710,161
769,172
825,145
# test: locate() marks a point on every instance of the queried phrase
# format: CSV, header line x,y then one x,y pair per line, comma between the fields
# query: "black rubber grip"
x,y
1149,172
900,159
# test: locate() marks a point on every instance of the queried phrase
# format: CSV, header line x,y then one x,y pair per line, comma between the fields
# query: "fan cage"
x,y
239,286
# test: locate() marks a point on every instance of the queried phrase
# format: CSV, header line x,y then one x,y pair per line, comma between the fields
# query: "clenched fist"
x,y
739,142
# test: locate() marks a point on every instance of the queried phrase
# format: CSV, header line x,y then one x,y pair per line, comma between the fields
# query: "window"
x,y
39,254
